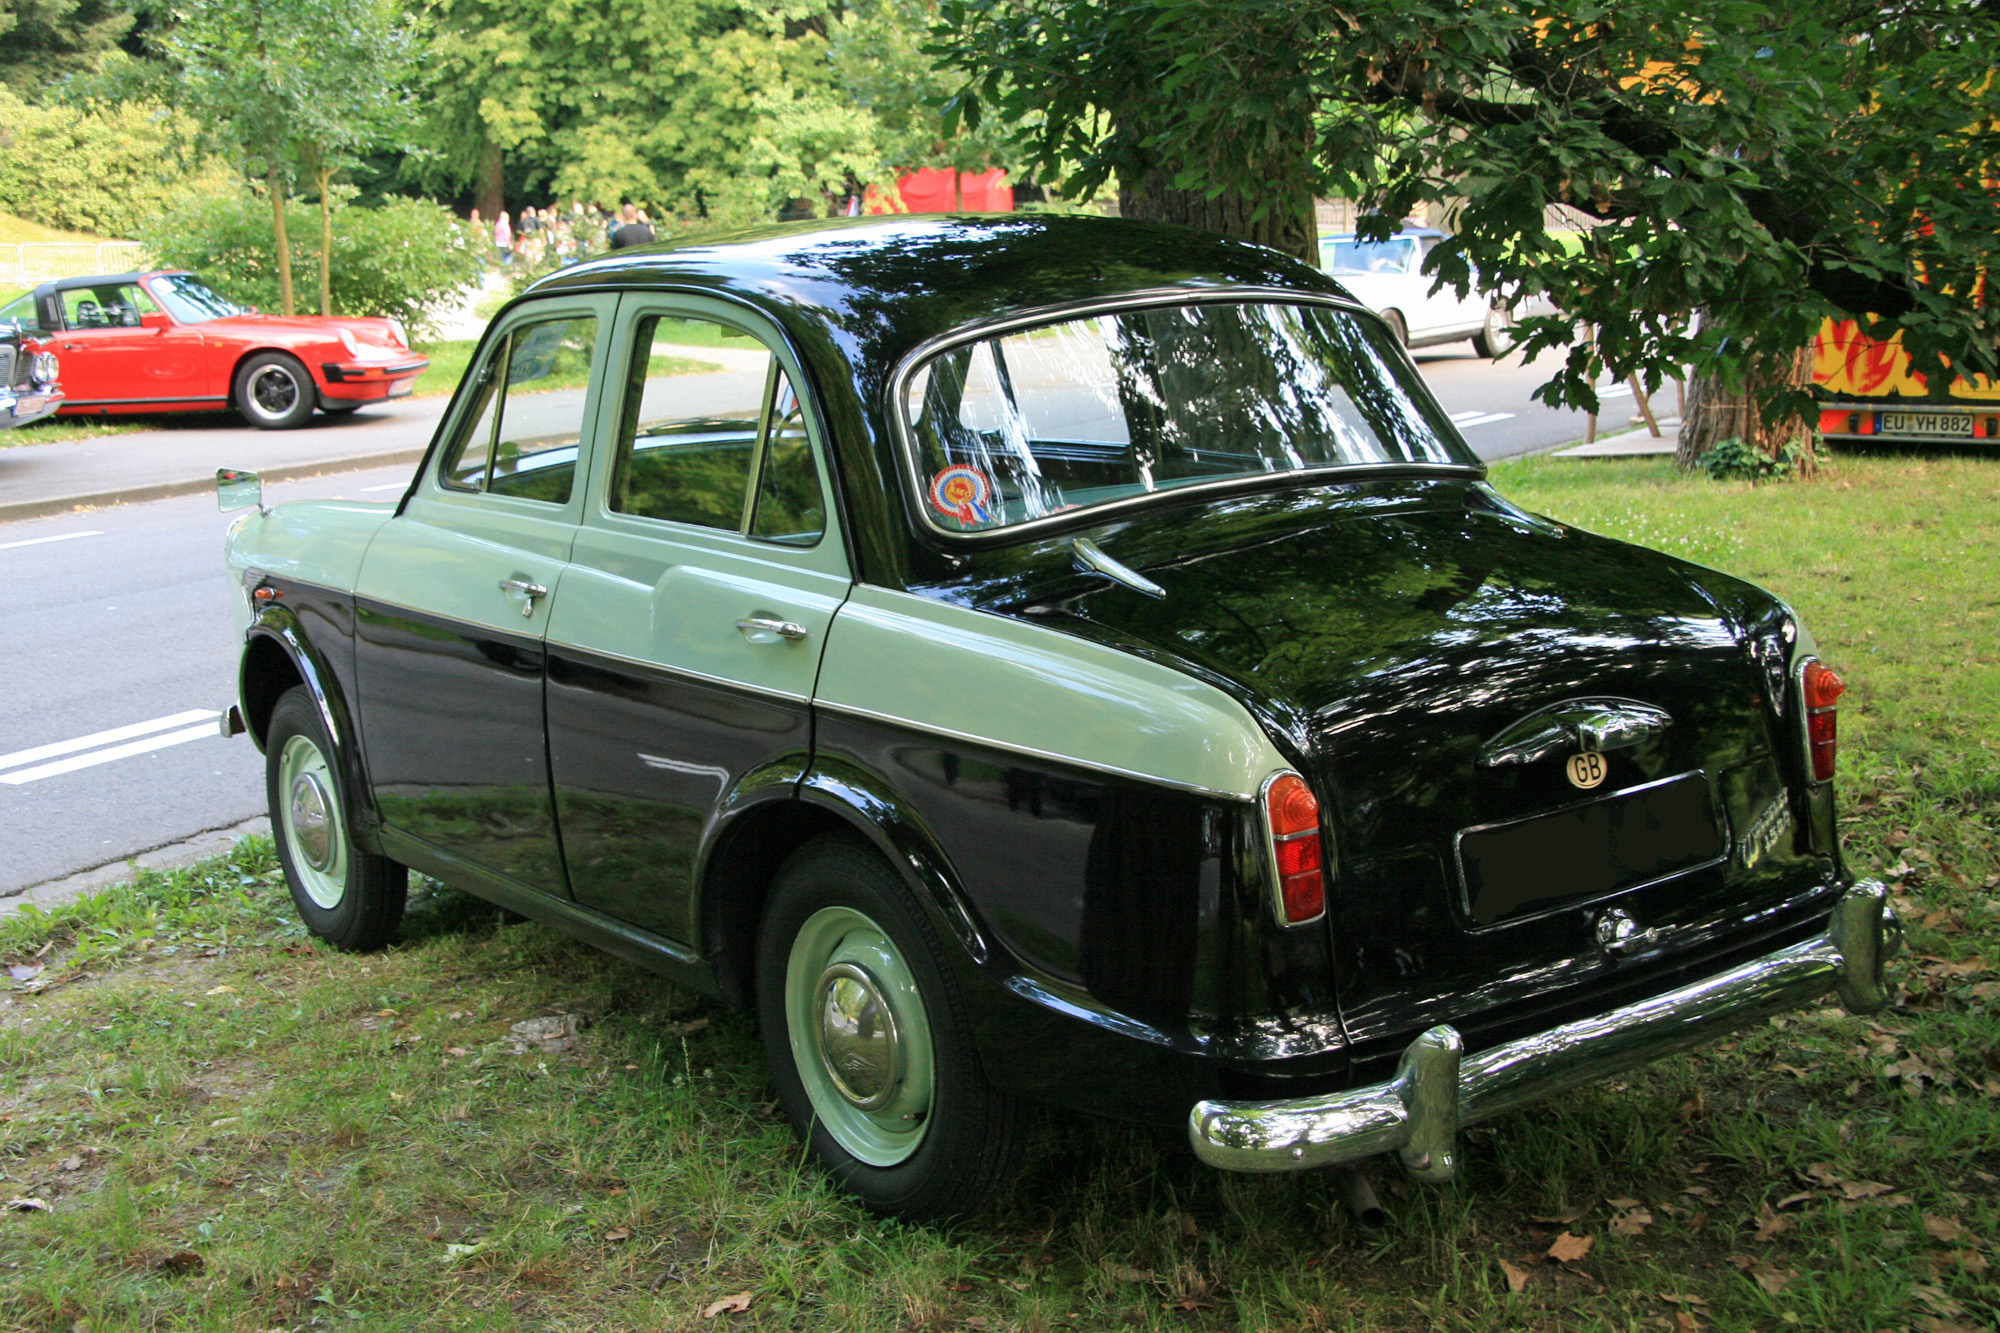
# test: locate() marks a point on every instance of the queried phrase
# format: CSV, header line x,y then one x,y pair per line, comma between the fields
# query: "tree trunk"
x,y
277,184
489,194
323,177
1717,411
1294,230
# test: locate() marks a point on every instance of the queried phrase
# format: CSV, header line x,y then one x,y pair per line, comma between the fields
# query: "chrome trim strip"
x,y
1093,560
1151,780
1437,1091
906,447
1805,716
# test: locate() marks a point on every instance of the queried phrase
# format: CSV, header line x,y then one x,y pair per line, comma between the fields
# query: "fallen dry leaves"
x,y
736,1304
1517,1277
1567,1248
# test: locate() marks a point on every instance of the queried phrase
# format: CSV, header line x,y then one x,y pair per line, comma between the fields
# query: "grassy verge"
x,y
450,359
493,1128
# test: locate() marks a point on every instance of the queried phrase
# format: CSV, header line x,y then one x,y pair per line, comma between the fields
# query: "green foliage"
x,y
41,41
1733,153
1736,460
109,171
399,259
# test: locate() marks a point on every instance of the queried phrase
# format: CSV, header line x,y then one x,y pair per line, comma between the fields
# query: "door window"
x,y
112,306
714,443
528,413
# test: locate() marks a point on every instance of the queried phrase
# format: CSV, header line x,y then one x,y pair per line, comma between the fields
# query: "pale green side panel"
x,y
447,555
320,542
934,667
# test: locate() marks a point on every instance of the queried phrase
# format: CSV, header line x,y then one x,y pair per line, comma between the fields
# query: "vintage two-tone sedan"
x,y
1048,659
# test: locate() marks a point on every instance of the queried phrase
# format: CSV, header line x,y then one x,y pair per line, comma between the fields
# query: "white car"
x,y
1387,276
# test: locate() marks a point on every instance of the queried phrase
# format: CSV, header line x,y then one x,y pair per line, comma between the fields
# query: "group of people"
x,y
538,236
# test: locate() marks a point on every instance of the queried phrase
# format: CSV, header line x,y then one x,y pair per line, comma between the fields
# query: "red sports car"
x,y
163,342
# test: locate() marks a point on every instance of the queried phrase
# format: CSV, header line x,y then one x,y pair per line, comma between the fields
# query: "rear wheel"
x,y
866,1033
350,898
1497,338
274,392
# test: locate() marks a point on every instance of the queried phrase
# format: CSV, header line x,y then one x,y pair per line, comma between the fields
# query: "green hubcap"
x,y
860,1039
311,816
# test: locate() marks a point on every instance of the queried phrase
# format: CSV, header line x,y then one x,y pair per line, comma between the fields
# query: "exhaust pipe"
x,y
1357,1192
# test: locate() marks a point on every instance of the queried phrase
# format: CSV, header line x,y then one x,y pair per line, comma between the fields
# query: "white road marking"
x,y
43,541
1614,391
1464,419
96,757
97,738
392,486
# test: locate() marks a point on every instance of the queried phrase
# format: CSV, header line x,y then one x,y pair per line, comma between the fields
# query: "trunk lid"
x,y
1397,639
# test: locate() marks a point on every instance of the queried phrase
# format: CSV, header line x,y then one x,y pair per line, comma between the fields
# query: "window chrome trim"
x,y
1805,722
1144,299
1007,747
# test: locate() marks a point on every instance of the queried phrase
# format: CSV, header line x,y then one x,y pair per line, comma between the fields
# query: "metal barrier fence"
x,y
26,263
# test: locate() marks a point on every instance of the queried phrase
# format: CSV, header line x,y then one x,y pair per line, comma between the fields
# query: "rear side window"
x,y
712,434
528,413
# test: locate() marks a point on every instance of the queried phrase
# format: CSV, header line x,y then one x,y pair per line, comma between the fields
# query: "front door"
x,y
456,592
684,644
119,346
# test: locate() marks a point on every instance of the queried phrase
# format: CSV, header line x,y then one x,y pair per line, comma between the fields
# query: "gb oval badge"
x,y
1587,770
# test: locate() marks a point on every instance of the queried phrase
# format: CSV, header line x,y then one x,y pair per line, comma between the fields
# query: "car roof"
x,y
100,280
877,287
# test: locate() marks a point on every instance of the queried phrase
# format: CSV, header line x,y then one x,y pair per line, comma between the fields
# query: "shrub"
x,y
108,172
1735,460
399,259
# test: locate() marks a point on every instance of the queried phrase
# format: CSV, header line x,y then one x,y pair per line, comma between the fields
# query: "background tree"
x,y
1764,165
43,41
284,86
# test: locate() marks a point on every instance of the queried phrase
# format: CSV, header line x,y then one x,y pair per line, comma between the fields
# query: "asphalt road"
x,y
115,644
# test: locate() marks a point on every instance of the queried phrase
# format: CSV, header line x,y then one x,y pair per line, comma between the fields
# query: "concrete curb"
x,y
63,504
174,855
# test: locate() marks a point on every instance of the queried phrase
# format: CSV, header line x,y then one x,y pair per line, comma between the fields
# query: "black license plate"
x,y
1531,865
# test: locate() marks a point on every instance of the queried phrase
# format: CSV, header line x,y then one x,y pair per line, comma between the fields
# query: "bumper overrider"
x,y
1437,1090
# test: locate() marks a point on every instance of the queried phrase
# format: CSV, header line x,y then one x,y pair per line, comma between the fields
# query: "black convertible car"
x,y
1048,659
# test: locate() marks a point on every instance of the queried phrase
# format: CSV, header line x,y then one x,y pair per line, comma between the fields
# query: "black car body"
x,y
1307,793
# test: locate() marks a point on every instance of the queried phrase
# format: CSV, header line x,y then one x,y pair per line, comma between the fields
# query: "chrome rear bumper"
x,y
1436,1092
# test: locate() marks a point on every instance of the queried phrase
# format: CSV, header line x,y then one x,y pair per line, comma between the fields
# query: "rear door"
x,y
456,593
685,642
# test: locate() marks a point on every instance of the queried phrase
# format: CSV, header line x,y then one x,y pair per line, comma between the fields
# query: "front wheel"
x,y
350,898
1496,339
274,392
866,1033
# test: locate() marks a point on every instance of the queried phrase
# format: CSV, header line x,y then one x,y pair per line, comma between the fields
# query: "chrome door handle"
x,y
784,629
529,592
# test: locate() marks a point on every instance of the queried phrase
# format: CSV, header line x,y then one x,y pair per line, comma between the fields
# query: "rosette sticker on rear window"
x,y
962,492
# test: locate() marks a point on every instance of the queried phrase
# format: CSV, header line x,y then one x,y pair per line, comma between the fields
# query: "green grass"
x,y
18,230
237,1129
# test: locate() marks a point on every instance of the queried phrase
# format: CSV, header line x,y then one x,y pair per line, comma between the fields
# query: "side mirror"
x,y
236,489
156,320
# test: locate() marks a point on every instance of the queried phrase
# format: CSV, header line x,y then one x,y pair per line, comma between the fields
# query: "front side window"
x,y
1025,425
21,310
715,443
528,413
112,306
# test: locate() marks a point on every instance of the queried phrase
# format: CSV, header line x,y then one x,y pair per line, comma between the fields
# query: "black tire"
x,y
842,920
1398,327
350,898
1497,338
274,392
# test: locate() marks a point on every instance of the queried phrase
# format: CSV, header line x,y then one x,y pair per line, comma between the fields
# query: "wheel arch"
x,y
278,656
743,857
313,373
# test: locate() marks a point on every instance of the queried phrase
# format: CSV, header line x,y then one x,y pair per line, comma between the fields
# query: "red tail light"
x,y
1820,688
1291,812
